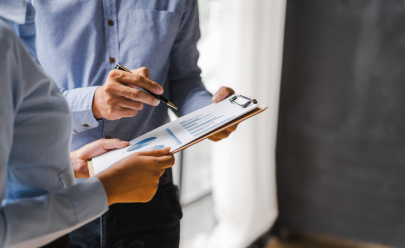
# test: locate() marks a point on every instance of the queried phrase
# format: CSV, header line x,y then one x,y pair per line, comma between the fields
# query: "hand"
x,y
119,98
79,157
223,134
135,178
221,94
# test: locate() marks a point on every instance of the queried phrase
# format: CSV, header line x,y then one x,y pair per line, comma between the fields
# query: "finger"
x,y
143,71
155,153
164,161
124,112
213,139
233,127
99,147
137,95
81,171
109,144
130,104
222,93
221,134
136,79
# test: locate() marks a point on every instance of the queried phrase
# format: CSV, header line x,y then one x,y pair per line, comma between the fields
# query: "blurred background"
x,y
324,165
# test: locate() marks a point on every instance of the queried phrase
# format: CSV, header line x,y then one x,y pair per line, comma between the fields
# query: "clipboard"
x,y
260,108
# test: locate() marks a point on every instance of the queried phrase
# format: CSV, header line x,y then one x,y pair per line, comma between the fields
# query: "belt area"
x,y
166,178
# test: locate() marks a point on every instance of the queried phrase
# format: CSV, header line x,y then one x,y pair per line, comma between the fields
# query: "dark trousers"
x,y
62,242
140,225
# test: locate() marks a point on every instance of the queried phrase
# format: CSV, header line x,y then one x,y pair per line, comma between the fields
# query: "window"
x,y
193,166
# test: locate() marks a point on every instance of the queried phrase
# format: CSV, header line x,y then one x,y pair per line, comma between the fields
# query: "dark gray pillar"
x,y
341,134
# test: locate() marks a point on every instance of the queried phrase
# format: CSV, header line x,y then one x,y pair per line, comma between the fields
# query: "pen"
x,y
160,97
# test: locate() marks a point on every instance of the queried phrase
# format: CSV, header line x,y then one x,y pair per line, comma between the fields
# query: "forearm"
x,y
56,213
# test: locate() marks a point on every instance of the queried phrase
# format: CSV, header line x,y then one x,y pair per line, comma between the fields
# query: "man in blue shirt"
x,y
79,42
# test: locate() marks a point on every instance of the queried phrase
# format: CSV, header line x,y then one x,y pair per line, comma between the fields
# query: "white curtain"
x,y
243,169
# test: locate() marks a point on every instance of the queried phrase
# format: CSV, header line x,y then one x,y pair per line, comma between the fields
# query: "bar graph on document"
x,y
204,123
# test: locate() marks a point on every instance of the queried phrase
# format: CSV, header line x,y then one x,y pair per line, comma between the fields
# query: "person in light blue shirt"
x,y
79,43
39,199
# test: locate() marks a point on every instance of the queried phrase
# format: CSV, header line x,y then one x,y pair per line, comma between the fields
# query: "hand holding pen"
x,y
160,97
119,98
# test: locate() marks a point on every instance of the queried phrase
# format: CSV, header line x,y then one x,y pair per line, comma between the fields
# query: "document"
x,y
179,132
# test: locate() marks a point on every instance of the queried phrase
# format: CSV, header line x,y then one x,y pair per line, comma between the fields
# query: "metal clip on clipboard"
x,y
250,100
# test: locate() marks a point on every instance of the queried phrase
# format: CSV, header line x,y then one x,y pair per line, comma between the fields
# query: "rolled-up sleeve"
x,y
186,88
80,101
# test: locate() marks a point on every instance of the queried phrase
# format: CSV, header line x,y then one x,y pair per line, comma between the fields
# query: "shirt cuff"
x,y
88,198
81,101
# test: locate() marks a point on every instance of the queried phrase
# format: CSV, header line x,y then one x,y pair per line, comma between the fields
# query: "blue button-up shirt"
x,y
76,40
39,201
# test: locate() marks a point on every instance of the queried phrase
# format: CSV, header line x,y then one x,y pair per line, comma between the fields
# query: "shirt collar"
x,y
13,10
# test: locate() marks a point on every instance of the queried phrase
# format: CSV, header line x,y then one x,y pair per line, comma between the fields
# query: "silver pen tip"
x,y
172,105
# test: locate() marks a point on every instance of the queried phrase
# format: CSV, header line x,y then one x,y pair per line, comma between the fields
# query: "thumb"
x,y
156,153
222,93
108,144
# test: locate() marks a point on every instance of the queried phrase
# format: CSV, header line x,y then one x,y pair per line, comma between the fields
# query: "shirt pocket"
x,y
153,35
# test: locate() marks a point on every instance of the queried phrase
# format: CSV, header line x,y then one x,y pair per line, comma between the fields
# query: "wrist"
x,y
108,188
96,111
73,156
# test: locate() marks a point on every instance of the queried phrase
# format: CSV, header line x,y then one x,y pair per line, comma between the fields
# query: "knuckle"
x,y
110,111
109,100
155,163
139,106
109,87
137,77
114,74
171,160
134,112
136,94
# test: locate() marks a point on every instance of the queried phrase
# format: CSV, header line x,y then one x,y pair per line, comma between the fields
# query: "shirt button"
x,y
112,60
108,137
86,125
110,22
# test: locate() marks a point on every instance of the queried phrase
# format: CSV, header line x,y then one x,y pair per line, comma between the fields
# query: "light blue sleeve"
x,y
80,101
35,221
56,214
187,91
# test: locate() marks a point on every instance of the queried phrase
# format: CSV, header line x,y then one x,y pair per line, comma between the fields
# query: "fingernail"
x,y
215,98
159,89
124,142
157,102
